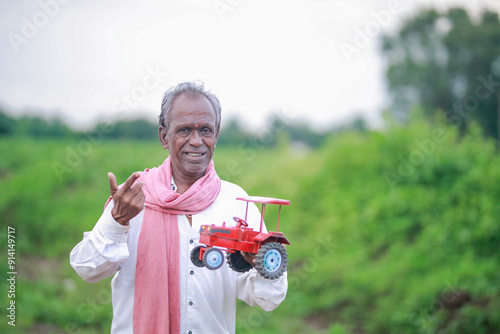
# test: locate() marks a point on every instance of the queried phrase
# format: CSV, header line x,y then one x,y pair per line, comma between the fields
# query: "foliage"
x,y
138,129
33,126
404,254
447,62
233,132
392,231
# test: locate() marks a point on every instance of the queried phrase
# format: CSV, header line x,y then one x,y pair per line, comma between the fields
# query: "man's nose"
x,y
195,138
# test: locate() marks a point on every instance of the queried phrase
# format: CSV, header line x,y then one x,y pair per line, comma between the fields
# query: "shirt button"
x,y
191,241
190,303
191,272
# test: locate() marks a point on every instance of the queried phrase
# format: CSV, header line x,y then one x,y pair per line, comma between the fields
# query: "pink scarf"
x,y
157,286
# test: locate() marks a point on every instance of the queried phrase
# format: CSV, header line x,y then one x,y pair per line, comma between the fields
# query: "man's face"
x,y
191,136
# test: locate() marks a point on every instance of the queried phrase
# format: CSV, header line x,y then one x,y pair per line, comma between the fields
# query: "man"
x,y
151,224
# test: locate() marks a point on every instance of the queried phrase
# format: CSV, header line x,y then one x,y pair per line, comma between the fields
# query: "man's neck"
x,y
181,184
182,188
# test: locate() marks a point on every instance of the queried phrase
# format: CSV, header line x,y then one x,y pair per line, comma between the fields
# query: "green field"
x,y
392,231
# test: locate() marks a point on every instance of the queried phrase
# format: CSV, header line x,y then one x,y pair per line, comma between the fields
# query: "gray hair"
x,y
191,89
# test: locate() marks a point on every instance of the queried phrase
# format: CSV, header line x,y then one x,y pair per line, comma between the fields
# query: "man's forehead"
x,y
194,123
194,118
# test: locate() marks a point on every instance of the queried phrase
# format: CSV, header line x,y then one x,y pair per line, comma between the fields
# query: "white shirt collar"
x,y
173,186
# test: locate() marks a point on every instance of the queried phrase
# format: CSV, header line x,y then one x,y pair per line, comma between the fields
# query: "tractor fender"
x,y
268,237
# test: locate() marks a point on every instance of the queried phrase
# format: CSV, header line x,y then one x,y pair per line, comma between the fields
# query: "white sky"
x,y
89,59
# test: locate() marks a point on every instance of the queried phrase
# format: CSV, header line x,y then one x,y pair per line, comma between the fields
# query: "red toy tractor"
x,y
271,259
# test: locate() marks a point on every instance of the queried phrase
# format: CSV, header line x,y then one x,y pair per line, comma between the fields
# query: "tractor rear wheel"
x,y
213,258
237,262
272,260
195,256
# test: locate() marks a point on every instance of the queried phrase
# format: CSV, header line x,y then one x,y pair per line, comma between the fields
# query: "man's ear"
x,y
162,133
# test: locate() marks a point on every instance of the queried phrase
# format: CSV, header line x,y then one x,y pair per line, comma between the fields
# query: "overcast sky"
x,y
314,60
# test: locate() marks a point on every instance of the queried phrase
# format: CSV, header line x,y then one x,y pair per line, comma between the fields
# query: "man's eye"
x,y
184,131
206,131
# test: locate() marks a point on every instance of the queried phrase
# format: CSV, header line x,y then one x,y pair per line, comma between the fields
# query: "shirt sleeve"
x,y
254,289
102,250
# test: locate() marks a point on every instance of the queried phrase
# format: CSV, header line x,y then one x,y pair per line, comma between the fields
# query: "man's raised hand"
x,y
128,200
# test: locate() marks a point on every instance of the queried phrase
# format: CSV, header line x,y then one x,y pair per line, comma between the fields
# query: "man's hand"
x,y
128,200
249,257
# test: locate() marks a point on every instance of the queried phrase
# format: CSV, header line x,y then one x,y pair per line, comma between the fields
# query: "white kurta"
x,y
208,297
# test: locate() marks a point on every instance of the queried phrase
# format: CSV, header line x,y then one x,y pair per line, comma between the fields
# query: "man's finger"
x,y
131,180
140,197
112,183
136,189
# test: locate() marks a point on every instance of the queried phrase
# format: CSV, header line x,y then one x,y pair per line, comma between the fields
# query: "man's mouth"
x,y
195,154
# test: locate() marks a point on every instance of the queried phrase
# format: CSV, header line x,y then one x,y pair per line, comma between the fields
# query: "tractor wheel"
x,y
237,262
195,256
213,258
271,260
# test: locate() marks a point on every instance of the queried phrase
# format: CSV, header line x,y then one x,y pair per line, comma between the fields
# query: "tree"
x,y
6,124
447,62
232,133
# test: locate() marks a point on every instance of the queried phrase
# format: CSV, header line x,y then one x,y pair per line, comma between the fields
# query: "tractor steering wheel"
x,y
240,221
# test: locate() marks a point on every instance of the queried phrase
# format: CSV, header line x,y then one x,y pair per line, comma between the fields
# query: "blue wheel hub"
x,y
214,259
272,260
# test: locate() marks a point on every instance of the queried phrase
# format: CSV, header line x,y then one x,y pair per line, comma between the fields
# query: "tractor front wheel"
x,y
272,260
213,258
